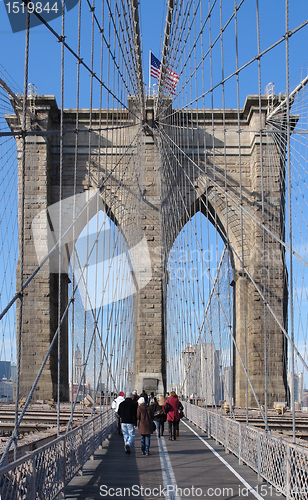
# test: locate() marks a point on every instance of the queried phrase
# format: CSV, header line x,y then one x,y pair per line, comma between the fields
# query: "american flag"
x,y
171,78
155,67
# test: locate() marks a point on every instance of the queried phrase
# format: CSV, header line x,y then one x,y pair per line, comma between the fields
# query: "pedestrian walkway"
x,y
191,467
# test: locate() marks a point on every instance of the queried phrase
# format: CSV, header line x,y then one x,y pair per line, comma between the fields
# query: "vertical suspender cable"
x,y
60,220
231,357
99,379
290,222
74,207
22,228
241,203
263,230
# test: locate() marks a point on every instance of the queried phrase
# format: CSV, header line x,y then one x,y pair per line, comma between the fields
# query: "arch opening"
x,y
200,314
101,322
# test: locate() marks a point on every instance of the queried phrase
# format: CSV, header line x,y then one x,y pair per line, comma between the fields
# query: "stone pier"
x,y
219,191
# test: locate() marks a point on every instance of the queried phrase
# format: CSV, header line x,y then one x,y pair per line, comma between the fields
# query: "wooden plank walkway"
x,y
174,470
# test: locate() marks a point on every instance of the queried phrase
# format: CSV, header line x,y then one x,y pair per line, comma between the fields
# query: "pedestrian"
x,y
128,414
152,400
160,416
144,395
145,427
115,405
135,396
181,414
170,407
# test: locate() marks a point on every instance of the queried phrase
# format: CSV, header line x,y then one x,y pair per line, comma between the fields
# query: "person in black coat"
x,y
128,413
144,395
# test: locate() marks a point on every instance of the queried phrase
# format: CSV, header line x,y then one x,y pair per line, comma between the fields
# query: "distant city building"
x,y
200,372
177,388
305,398
298,386
13,372
188,382
5,370
77,366
6,391
84,390
101,387
227,384
7,381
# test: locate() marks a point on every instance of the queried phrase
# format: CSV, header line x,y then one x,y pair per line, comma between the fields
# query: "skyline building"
x,y
7,381
298,386
201,373
77,365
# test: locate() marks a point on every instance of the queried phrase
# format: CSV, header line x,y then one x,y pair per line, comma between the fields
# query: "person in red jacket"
x,y
173,415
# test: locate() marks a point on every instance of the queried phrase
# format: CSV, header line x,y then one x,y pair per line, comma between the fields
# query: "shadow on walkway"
x,y
113,470
187,468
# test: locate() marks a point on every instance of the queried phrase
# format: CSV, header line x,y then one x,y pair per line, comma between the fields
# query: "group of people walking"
x,y
148,413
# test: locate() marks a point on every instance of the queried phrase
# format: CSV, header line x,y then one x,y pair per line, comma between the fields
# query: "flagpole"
x,y
150,73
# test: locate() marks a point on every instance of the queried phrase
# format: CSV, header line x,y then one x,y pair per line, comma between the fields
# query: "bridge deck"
x,y
187,468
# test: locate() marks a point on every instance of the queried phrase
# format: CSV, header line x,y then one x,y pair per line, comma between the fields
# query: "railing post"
x,y
82,444
259,456
64,465
240,445
226,437
216,430
33,478
288,478
61,494
93,441
101,430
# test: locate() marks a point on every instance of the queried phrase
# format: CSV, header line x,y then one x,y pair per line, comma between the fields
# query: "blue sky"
x,y
45,51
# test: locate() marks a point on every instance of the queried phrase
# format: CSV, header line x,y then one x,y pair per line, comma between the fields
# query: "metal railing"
x,y
281,463
44,473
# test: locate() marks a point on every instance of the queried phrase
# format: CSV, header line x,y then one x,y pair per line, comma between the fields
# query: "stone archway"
x,y
121,198
219,181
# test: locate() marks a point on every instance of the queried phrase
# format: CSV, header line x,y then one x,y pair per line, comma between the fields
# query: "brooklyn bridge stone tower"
x,y
243,236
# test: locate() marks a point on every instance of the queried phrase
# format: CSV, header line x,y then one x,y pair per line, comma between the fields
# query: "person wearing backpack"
x,y
181,415
115,405
170,407
152,400
160,416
